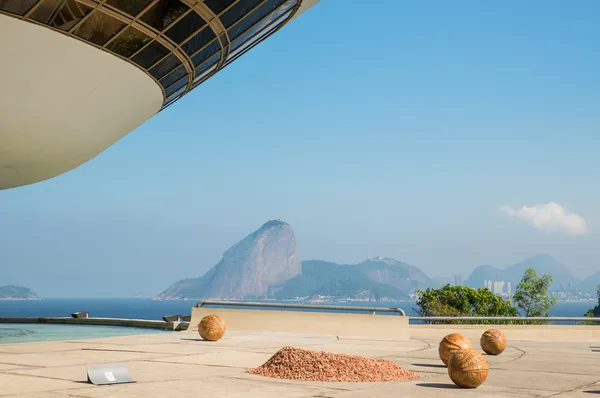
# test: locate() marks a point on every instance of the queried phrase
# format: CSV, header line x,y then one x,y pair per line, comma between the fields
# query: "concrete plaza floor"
x,y
181,364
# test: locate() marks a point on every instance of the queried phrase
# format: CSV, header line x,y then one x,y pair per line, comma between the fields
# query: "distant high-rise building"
x,y
458,280
498,287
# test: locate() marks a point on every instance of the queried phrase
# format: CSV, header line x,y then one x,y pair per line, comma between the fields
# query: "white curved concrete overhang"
x,y
63,102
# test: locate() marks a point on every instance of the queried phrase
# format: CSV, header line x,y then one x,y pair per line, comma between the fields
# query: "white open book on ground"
x,y
108,374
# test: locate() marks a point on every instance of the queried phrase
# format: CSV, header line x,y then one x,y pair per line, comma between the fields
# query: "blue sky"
x,y
394,130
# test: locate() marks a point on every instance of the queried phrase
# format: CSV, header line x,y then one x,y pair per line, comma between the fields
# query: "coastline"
x,y
341,300
19,298
146,308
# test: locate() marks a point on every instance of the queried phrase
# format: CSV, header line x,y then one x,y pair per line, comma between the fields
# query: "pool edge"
x,y
124,322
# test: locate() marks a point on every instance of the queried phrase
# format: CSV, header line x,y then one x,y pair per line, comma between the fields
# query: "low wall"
x,y
377,327
138,323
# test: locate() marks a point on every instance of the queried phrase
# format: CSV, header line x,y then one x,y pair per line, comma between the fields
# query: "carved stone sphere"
x,y
493,342
211,328
468,368
450,343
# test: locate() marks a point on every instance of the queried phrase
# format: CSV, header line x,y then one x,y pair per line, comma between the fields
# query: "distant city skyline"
x,y
446,136
458,280
500,288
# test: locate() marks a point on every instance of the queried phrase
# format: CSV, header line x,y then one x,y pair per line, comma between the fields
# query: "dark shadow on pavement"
x,y
199,339
592,392
429,365
447,386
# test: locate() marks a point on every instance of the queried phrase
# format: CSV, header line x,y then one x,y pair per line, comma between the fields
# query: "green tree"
x,y
594,312
532,296
463,301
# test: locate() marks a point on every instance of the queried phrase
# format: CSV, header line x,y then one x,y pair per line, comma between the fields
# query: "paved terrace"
x,y
180,364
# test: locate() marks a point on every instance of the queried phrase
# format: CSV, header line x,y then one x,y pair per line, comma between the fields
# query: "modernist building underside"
x,y
78,75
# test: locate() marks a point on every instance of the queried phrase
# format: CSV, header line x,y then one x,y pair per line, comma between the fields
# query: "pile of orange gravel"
x,y
299,364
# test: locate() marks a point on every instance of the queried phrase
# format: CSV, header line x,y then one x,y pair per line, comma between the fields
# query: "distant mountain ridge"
x,y
12,292
374,278
389,271
266,265
266,257
590,284
543,264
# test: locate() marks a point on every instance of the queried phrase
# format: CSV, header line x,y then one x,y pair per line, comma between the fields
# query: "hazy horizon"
x,y
443,135
144,291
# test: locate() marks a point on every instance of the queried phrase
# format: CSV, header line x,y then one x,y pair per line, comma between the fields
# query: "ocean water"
x,y
143,309
152,309
11,333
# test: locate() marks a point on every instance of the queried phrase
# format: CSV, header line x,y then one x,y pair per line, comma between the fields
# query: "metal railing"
x,y
399,311
285,307
506,318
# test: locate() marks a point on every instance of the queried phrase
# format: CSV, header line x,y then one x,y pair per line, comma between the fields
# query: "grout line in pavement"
x,y
575,389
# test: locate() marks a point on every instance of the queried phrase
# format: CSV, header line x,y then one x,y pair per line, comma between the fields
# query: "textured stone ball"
x,y
493,342
212,328
468,368
450,343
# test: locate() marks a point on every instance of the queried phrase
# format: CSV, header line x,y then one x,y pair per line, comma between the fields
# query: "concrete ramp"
x,y
370,326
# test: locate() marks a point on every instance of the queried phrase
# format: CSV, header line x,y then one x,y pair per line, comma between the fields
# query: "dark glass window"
x,y
173,76
238,11
254,36
254,18
174,97
163,13
261,28
165,66
198,41
218,6
99,28
206,52
186,26
205,74
60,14
131,7
224,40
180,83
44,12
19,7
128,42
214,59
153,53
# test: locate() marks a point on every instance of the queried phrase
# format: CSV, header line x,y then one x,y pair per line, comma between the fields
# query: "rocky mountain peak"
x,y
274,223
386,260
266,257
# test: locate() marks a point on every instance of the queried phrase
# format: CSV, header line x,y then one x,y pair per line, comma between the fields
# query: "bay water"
x,y
143,308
